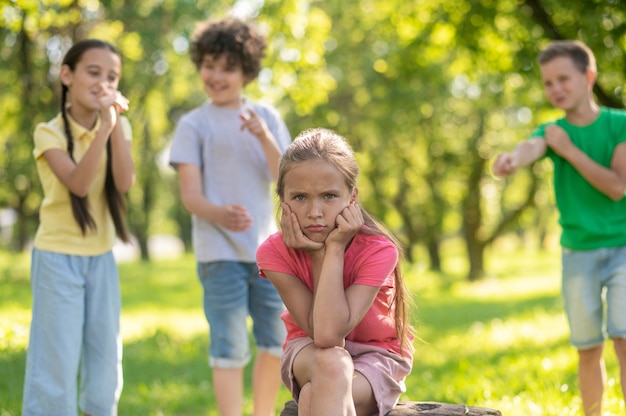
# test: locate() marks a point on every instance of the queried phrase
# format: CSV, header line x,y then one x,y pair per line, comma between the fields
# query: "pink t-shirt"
x,y
369,260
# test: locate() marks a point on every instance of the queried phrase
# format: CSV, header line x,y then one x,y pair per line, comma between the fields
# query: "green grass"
x,y
499,343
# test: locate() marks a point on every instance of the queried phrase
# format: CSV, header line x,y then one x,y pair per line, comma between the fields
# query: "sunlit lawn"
x,y
499,343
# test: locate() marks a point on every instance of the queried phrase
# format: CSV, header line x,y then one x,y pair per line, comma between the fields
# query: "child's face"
x,y
96,74
565,86
317,193
222,82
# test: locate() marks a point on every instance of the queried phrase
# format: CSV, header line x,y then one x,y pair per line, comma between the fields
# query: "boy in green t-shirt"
x,y
588,150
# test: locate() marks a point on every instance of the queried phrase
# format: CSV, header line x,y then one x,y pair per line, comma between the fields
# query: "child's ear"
x,y
66,75
591,77
355,194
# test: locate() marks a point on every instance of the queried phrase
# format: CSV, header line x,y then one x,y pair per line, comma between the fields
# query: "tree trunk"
x,y
434,254
476,254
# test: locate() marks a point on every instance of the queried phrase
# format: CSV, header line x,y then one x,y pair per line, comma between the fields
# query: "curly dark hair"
x,y
238,39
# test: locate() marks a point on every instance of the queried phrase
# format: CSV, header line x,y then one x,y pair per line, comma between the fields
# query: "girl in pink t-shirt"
x,y
349,342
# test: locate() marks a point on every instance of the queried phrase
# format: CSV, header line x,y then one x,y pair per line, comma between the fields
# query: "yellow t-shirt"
x,y
58,230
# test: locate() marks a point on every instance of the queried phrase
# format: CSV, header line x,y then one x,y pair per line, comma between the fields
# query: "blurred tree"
x,y
158,78
415,97
28,97
427,92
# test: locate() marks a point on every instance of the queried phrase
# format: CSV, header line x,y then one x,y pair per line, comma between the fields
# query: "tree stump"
x,y
418,409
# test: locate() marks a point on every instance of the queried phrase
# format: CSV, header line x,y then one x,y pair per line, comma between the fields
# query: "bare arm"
x,y
232,217
610,181
256,125
337,316
297,298
330,312
336,311
523,154
78,177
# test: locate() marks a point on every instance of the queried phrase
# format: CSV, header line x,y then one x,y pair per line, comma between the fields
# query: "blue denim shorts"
x,y
594,294
75,328
232,292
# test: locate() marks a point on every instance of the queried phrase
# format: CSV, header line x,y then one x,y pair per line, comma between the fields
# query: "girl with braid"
x,y
84,162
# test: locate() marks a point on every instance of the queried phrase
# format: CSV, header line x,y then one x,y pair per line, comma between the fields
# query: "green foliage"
x,y
501,343
427,92
158,78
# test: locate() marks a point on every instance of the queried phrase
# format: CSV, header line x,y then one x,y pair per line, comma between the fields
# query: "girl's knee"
x,y
333,360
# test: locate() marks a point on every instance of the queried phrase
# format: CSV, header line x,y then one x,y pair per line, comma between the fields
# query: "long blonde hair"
x,y
326,145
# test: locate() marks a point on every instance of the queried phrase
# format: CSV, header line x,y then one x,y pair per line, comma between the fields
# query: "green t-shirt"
x,y
589,219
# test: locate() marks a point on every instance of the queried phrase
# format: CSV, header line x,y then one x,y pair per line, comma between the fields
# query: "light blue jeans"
x,y
75,322
232,292
594,282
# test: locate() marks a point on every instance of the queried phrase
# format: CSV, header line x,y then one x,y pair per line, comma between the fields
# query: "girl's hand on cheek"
x,y
292,233
349,222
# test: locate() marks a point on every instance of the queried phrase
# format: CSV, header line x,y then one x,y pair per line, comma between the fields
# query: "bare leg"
x,y
363,396
265,383
620,350
228,386
591,378
329,384
304,400
331,381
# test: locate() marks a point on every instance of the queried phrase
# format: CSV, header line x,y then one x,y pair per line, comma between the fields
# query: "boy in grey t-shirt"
x,y
226,153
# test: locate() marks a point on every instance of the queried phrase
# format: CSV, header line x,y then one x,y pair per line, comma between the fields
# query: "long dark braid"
x,y
115,200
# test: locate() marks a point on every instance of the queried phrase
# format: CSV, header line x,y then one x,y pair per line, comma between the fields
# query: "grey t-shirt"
x,y
234,171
